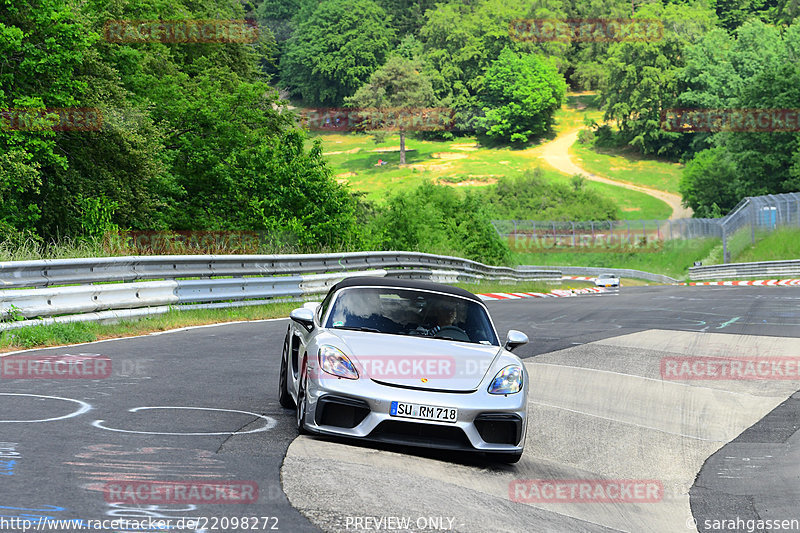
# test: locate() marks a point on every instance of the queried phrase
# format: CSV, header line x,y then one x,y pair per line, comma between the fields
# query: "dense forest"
x,y
199,135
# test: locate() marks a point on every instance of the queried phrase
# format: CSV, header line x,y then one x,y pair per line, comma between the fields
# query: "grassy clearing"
x,y
779,245
79,332
673,260
464,163
628,166
461,163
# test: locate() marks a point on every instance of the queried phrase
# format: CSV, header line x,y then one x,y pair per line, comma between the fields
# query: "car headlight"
x,y
336,363
507,381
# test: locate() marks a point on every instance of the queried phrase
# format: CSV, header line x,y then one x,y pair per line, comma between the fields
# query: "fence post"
x,y
725,252
573,234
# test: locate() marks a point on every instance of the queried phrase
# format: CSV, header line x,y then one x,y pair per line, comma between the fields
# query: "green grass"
x,y
627,166
779,245
673,260
72,333
577,108
634,205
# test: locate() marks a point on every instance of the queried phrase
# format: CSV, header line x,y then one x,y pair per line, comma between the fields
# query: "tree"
x,y
398,84
436,219
461,40
407,16
643,77
519,97
334,51
708,184
756,70
585,57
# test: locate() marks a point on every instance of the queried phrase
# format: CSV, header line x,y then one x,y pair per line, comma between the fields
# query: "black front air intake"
x,y
340,412
499,428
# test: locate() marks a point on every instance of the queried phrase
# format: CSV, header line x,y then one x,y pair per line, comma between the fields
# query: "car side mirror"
x,y
515,339
304,317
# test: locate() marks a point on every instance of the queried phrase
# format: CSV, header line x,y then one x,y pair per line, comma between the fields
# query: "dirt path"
x,y
556,154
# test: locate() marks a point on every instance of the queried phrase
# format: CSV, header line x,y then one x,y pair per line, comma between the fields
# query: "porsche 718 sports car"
x,y
405,362
607,280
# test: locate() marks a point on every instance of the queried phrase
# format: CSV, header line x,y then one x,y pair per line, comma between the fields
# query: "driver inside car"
x,y
438,319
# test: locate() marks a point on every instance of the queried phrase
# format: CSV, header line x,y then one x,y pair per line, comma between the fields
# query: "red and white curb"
x,y
581,278
783,282
558,293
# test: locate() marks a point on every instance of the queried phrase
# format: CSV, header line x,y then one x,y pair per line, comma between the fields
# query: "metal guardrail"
x,y
50,272
746,270
621,272
100,296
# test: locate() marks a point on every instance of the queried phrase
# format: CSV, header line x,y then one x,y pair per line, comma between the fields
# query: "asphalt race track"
x,y
200,406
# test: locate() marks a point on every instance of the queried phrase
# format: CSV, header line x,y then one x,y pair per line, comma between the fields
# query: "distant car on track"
x,y
405,362
607,280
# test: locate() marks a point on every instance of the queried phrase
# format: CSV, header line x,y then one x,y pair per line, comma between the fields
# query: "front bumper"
x,y
360,409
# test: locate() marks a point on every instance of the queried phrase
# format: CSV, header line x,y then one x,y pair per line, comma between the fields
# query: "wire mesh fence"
x,y
749,220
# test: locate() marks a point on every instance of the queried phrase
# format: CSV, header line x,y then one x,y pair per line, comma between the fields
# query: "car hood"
x,y
418,362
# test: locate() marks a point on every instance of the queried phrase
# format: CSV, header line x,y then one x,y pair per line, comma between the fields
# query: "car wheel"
x,y
301,403
284,397
512,457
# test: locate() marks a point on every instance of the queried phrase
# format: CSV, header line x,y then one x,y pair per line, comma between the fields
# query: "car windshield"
x,y
411,312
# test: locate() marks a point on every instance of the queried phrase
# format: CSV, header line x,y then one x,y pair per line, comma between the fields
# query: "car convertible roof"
x,y
368,281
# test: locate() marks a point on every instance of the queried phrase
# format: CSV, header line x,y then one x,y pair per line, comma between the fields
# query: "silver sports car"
x,y
405,362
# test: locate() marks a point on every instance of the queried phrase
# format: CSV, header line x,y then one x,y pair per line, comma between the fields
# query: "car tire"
x,y
510,458
301,404
284,397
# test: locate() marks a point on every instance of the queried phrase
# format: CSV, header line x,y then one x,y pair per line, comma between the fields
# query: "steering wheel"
x,y
460,334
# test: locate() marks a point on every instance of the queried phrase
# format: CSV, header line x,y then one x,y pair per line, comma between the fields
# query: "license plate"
x,y
424,412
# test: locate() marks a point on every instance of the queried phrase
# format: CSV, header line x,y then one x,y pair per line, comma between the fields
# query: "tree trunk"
x,y
402,148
